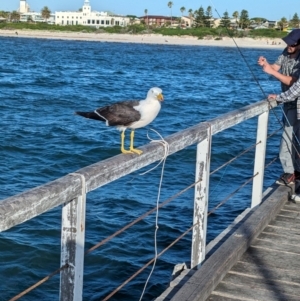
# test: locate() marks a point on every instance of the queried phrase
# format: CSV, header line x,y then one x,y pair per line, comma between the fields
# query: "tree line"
x,y
14,16
204,18
201,17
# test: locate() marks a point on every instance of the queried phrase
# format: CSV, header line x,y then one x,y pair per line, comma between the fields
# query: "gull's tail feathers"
x,y
91,115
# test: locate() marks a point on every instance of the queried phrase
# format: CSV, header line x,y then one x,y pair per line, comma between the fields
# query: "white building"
x,y
24,7
28,16
36,17
88,17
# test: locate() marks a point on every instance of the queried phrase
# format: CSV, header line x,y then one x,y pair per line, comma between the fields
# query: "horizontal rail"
x,y
24,206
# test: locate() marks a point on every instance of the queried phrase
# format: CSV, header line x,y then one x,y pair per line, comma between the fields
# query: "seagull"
x,y
132,114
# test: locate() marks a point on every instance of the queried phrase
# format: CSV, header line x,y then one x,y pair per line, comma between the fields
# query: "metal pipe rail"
x,y
71,190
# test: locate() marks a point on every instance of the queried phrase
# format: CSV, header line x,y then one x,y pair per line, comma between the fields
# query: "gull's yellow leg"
x,y
123,150
132,149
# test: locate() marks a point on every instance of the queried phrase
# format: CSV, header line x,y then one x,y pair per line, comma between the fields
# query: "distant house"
x,y
187,21
36,18
157,20
272,24
215,23
88,17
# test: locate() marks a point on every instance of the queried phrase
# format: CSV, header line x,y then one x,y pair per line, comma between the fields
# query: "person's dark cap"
x,y
293,37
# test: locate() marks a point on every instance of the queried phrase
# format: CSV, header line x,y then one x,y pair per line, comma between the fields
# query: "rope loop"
x,y
166,146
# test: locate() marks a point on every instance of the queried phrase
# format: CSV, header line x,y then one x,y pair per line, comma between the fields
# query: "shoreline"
x,y
145,39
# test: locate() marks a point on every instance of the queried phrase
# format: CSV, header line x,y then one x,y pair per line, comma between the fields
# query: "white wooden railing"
x,y
70,190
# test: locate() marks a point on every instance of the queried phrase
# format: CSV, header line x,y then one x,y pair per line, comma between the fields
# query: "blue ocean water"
x,y
42,83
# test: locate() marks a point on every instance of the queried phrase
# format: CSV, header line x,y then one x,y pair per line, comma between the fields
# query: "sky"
x,y
271,10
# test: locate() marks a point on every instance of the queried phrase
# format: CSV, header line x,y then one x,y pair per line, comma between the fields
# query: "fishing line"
x,y
163,161
264,94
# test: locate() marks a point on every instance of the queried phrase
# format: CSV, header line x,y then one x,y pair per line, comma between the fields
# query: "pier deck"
x,y
258,260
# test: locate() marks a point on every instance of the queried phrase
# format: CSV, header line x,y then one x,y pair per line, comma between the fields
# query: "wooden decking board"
x,y
216,297
282,231
250,292
285,224
278,243
289,213
287,219
253,270
292,238
272,258
261,283
291,205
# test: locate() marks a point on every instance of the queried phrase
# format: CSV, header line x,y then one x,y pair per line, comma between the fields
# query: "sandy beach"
x,y
145,38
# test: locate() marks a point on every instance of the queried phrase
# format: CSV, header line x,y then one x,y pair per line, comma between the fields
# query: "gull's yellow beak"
x,y
160,97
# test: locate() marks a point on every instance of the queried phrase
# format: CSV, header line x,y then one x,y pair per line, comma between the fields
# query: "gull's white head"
x,y
155,93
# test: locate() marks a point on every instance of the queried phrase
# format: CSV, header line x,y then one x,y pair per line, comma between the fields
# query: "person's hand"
x,y
262,61
272,96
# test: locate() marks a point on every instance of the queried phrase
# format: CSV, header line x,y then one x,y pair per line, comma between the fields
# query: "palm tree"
x,y
182,9
146,14
236,16
14,16
45,12
283,23
191,15
170,4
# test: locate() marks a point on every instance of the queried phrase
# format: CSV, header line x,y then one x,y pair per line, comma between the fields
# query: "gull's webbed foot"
x,y
137,151
124,151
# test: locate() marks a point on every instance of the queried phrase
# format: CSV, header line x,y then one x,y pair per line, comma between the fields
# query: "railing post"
x,y
72,248
201,200
260,154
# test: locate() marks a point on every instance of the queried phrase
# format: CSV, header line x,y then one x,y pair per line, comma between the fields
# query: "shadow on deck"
x,y
258,258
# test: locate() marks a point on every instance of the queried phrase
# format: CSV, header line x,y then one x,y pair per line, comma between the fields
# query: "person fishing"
x,y
286,69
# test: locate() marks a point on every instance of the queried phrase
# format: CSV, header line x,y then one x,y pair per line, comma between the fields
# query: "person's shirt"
x,y
289,66
290,95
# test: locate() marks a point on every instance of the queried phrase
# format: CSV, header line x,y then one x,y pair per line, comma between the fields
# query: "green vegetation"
x,y
45,26
200,32
238,24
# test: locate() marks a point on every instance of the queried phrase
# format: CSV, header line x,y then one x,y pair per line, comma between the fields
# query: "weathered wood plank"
x,y
250,292
292,206
288,219
204,281
214,297
273,258
252,269
284,224
201,201
262,283
282,241
281,230
289,213
260,155
22,207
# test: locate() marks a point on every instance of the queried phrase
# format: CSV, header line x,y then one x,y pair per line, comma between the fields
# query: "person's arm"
x,y
273,69
290,95
285,79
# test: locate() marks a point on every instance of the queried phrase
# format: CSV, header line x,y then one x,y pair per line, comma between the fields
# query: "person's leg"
x,y
296,149
286,150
